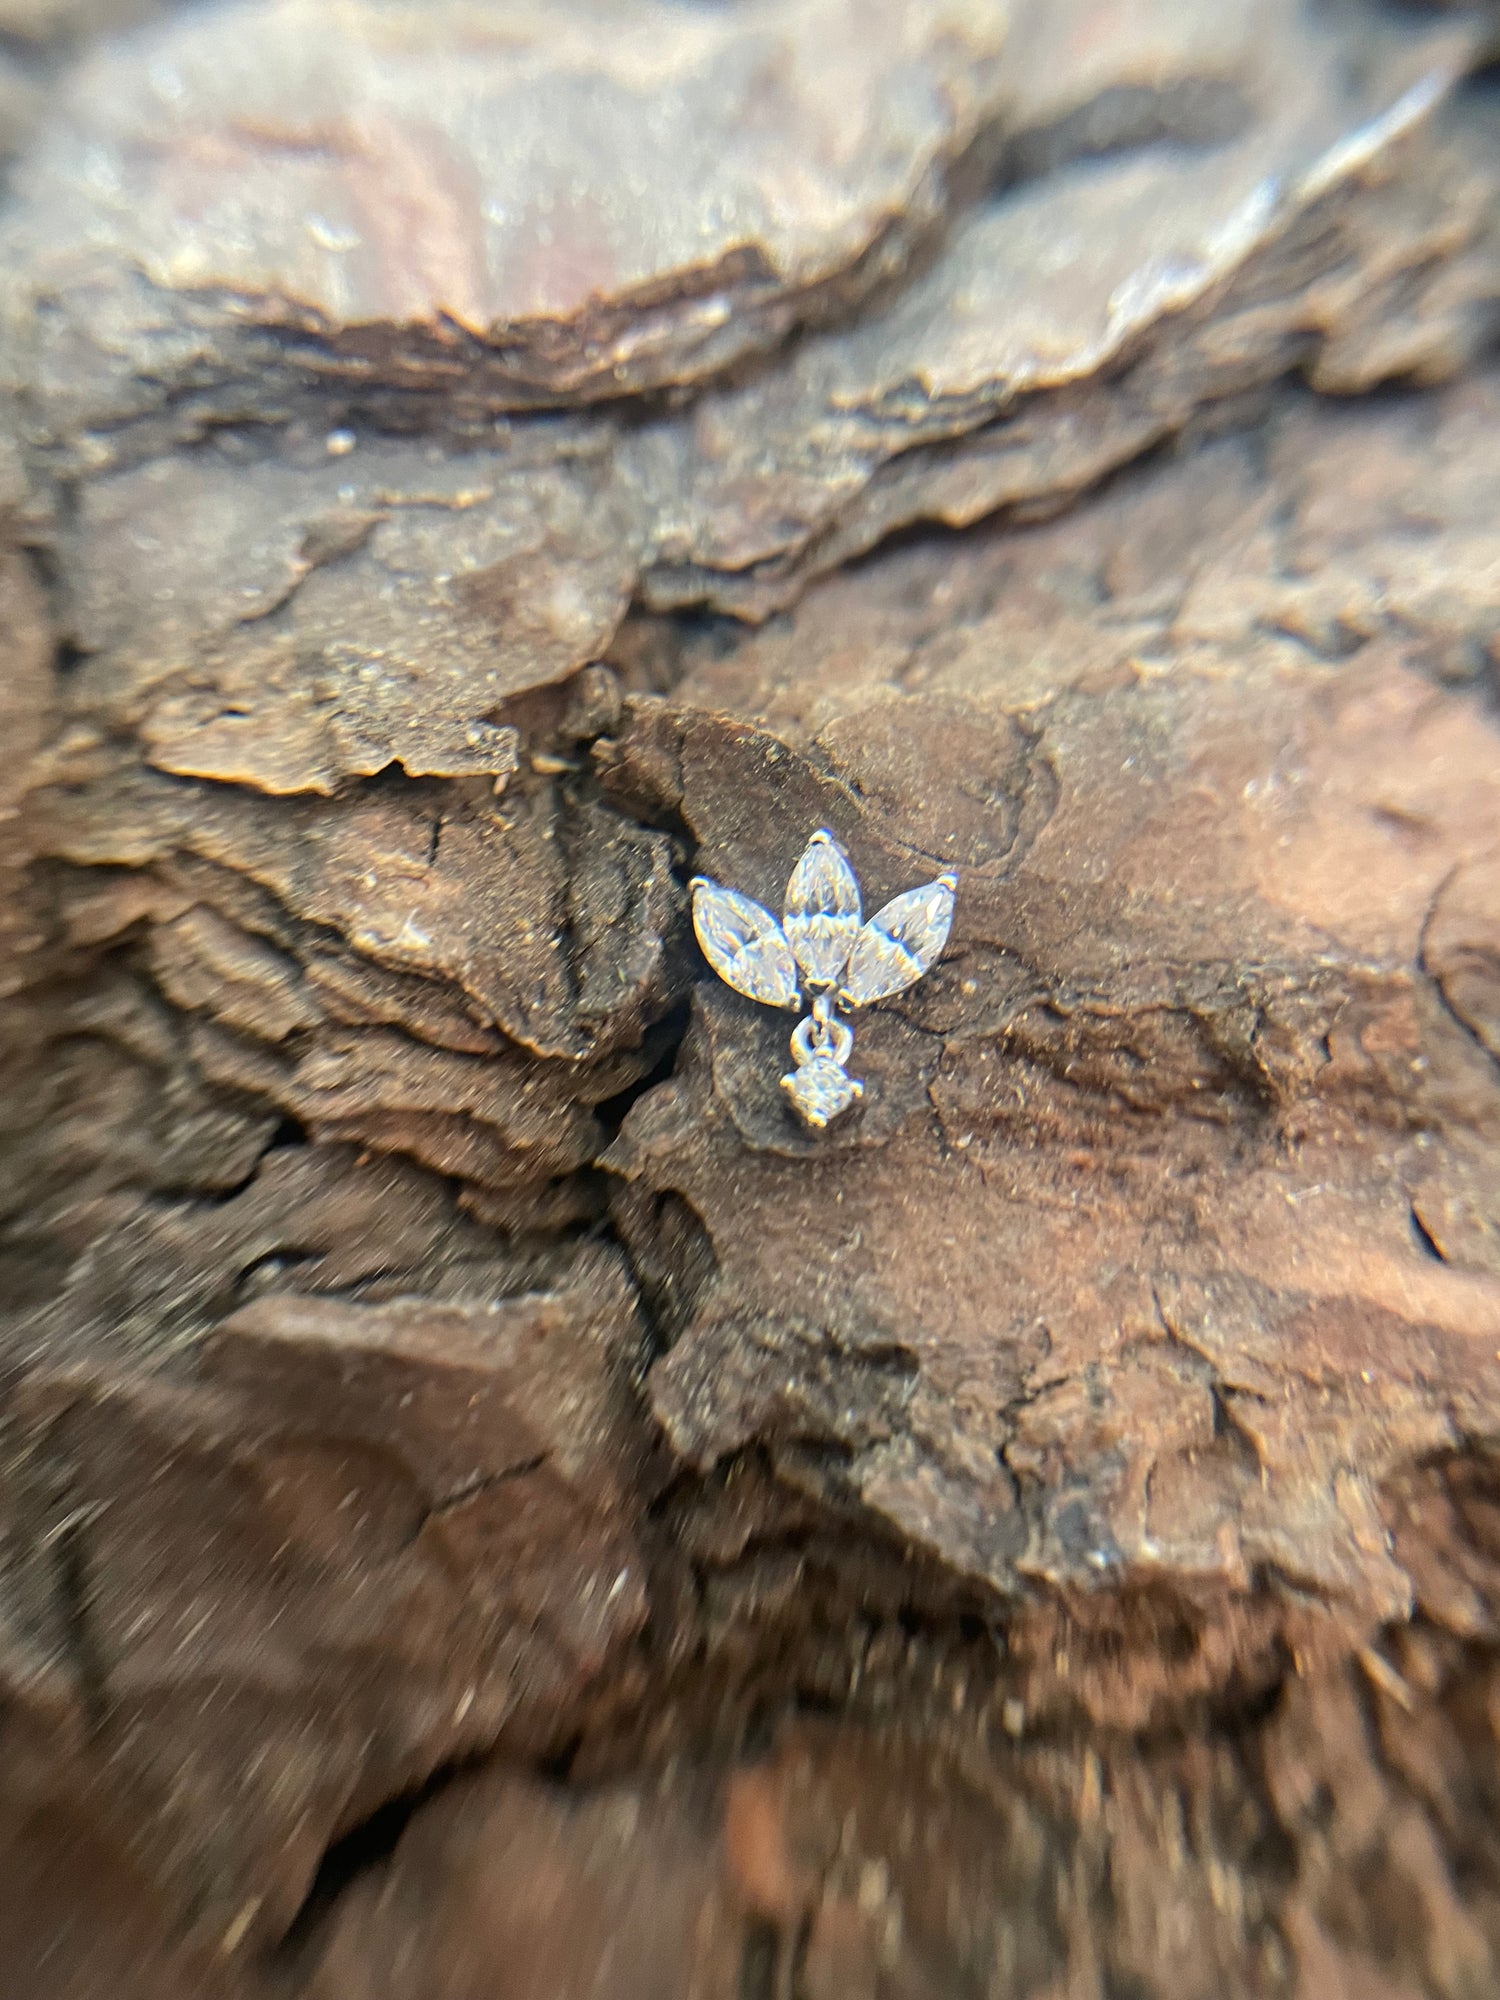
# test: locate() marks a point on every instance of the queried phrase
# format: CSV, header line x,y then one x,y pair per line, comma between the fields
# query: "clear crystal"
x,y
822,910
821,1089
744,944
900,943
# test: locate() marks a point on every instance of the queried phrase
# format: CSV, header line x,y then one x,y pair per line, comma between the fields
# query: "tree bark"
x,y
488,1503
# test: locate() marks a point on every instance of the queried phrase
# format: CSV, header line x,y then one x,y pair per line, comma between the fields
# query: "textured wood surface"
x,y
488,1504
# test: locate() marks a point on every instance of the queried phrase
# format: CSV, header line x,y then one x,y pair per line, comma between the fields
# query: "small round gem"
x,y
821,1090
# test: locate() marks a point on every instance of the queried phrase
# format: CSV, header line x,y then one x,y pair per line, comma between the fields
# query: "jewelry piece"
x,y
844,963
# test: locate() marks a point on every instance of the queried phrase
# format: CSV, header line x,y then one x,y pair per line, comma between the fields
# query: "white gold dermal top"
x,y
821,944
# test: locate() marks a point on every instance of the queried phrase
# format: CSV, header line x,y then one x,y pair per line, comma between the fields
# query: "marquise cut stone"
x,y
900,942
822,910
744,944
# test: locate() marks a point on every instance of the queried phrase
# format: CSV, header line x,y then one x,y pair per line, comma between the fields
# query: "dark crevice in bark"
x,y
362,1850
668,1034
473,1487
761,1961
287,1132
71,1559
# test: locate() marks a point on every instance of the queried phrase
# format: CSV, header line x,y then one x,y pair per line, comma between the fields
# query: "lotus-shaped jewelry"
x,y
822,945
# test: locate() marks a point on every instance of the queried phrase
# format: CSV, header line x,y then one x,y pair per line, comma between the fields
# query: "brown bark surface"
x,y
488,1505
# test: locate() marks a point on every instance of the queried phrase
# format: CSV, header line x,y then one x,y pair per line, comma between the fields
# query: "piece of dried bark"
x,y
427,970
1074,321
1109,1319
386,603
544,208
1159,1115
1118,1391
1309,1853
330,616
333,1547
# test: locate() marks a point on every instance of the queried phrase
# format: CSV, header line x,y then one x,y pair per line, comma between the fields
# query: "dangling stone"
x,y
821,1089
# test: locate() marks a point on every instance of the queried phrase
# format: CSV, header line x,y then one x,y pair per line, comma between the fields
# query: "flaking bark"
x,y
480,1486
